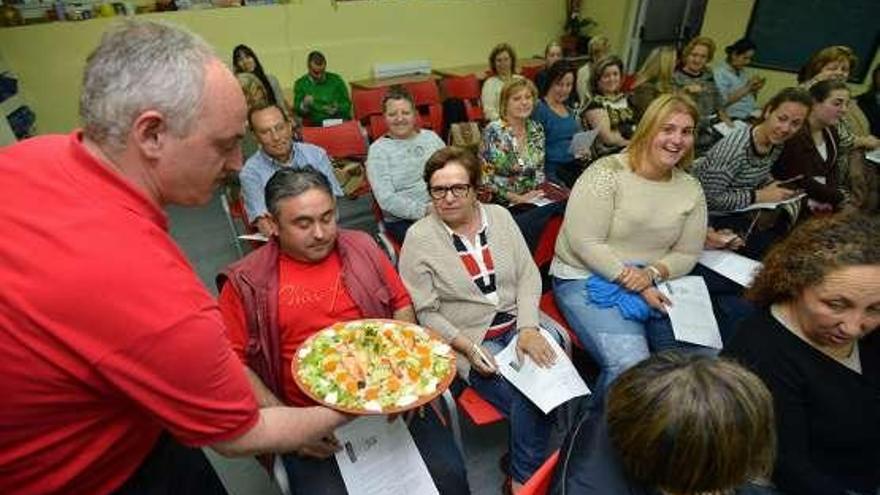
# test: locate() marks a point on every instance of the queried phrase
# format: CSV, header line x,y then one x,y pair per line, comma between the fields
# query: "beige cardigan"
x,y
443,294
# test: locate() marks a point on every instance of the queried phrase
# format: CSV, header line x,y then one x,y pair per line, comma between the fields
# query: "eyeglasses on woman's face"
x,y
457,190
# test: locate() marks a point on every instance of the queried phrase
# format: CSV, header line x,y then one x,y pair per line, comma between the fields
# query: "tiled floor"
x,y
204,235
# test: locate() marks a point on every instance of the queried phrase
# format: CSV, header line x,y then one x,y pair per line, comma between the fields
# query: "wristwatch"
x,y
656,276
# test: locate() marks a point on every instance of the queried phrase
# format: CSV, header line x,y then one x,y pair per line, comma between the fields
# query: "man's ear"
x,y
273,224
149,132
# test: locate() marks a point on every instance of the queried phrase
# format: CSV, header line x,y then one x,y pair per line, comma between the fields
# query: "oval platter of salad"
x,y
373,366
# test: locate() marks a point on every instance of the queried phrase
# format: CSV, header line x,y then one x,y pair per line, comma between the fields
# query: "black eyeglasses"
x,y
458,191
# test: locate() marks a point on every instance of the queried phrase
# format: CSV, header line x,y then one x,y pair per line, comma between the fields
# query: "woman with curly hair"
x,y
814,345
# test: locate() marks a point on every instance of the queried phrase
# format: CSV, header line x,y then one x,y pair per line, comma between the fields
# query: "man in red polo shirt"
x,y
308,277
113,357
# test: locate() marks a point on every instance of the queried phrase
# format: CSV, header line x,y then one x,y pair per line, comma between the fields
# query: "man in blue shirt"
x,y
277,149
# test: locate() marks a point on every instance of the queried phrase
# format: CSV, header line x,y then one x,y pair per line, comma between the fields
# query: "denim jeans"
x,y
310,476
614,342
529,427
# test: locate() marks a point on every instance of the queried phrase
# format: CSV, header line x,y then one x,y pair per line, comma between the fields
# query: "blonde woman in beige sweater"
x,y
471,278
633,219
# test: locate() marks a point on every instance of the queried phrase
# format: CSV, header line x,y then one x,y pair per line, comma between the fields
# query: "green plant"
x,y
577,26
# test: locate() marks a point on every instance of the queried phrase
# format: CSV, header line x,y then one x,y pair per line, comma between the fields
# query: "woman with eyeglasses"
x,y
472,279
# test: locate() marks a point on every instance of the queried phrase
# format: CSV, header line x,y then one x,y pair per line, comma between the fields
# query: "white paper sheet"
x,y
771,206
381,458
546,387
873,155
725,129
734,266
254,237
691,311
541,201
582,141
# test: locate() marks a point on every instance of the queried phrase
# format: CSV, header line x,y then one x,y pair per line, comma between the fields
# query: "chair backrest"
x,y
339,141
424,92
464,88
367,102
531,72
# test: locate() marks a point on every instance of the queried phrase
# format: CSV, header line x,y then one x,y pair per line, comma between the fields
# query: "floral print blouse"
x,y
508,167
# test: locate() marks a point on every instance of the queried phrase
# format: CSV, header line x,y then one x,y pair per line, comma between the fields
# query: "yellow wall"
x,y
725,22
49,58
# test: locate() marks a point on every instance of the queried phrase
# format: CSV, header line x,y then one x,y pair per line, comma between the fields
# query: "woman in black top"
x,y
813,346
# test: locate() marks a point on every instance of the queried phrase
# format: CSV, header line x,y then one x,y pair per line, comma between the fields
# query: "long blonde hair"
x,y
658,68
658,111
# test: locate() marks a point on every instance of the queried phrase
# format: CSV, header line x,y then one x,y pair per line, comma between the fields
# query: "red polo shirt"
x,y
107,336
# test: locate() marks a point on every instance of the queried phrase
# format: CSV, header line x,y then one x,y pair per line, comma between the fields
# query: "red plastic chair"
x,y
531,72
539,483
339,141
426,96
367,102
628,82
466,89
548,307
478,409
547,241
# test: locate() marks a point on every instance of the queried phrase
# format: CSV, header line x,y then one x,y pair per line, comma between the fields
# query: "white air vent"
x,y
402,68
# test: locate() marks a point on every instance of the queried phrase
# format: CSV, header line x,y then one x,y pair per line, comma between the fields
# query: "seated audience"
x,y
598,48
608,111
869,102
633,219
557,117
697,81
320,95
673,424
277,150
491,299
738,88
512,151
815,346
814,154
552,54
654,78
245,61
395,163
854,128
310,276
836,62
502,63
736,172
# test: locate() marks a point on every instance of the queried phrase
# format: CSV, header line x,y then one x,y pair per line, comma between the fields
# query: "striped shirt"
x,y
477,258
732,169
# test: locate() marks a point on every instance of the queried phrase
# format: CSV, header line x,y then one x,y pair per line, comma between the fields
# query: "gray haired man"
x,y
113,355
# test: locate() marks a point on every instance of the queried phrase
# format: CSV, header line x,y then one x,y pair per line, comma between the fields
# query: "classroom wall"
x,y
725,22
49,58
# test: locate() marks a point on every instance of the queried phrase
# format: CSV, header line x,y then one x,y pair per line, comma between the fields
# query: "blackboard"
x,y
788,32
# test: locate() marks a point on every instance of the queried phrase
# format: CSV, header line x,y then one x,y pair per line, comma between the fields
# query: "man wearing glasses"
x,y
277,150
